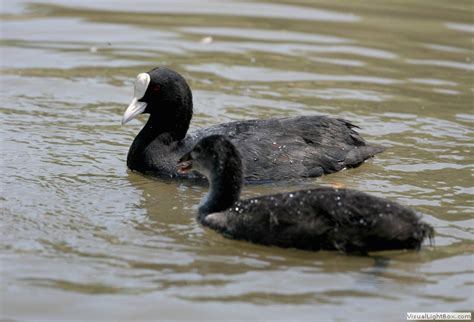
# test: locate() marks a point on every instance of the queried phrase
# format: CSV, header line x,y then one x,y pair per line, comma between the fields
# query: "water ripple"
x,y
236,8
267,35
256,74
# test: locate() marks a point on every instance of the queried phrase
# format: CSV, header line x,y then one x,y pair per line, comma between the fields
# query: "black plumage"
x,y
272,149
323,218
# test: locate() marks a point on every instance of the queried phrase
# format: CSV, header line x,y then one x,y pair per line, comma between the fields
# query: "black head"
x,y
219,160
213,156
166,96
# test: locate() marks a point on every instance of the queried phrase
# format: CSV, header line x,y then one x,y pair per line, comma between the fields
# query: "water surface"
x,y
83,238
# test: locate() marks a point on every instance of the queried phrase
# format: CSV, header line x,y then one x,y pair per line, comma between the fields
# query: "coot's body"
x,y
323,218
274,149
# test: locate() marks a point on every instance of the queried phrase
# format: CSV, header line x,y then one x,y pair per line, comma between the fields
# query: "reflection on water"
x,y
82,235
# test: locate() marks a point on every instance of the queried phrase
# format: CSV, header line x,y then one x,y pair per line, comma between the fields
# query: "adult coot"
x,y
273,149
322,218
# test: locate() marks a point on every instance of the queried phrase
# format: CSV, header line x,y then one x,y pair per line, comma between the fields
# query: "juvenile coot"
x,y
322,218
273,149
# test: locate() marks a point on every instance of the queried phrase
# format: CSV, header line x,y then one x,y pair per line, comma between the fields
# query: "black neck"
x,y
166,129
173,123
224,190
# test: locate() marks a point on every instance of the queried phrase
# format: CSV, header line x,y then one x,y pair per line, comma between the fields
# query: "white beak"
x,y
136,108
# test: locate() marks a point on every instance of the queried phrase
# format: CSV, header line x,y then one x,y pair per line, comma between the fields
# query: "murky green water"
x,y
84,239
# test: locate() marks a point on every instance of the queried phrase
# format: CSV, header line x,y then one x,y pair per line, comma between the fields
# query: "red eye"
x,y
156,88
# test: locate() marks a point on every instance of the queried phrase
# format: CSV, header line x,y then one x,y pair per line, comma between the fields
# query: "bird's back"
x,y
323,218
306,146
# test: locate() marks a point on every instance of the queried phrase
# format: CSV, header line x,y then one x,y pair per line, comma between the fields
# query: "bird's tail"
x,y
359,154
